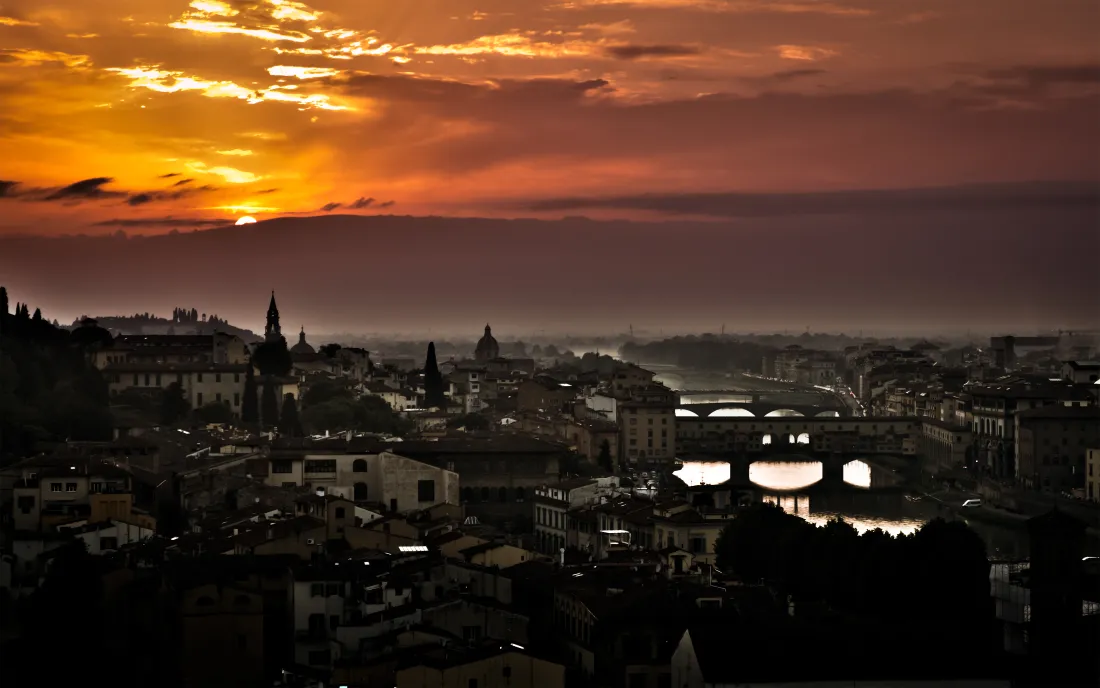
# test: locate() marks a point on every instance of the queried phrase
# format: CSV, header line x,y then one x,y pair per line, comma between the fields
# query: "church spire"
x,y
302,335
272,331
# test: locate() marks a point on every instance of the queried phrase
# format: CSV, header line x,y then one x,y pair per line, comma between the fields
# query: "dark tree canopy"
x,y
250,405
273,358
174,406
288,420
368,414
604,459
434,396
48,390
269,404
325,390
943,566
214,412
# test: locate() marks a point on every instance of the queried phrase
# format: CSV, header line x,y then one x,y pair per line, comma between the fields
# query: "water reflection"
x,y
865,509
799,505
773,475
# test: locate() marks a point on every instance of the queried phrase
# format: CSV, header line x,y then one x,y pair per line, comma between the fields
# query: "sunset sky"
x,y
147,114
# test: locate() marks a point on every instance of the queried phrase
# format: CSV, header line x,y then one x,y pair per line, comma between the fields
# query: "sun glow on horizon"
x,y
245,220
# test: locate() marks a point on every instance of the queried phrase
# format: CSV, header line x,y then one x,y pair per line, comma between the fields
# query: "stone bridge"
x,y
759,409
832,471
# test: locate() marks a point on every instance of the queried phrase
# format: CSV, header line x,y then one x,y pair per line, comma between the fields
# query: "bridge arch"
x,y
684,413
803,438
732,412
783,412
827,414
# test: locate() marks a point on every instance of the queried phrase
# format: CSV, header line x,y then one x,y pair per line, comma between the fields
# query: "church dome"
x,y
302,347
487,347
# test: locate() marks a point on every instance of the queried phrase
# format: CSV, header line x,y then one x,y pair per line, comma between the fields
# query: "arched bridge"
x,y
759,409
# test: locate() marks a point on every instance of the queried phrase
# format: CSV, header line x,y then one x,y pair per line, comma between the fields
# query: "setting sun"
x,y
246,220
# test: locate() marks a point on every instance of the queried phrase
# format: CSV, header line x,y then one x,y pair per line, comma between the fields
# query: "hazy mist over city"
x,y
549,343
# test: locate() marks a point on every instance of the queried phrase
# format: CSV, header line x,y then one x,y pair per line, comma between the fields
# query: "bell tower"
x,y
272,332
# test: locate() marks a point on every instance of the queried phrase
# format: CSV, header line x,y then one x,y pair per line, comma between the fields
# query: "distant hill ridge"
x,y
183,321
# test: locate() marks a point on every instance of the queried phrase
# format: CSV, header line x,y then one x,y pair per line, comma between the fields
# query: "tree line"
x,y
49,391
939,574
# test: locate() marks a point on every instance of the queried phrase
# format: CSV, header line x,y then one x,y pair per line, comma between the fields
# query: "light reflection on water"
x,y
799,505
772,475
787,477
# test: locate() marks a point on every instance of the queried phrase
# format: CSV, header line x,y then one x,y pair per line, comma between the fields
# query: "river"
x,y
869,499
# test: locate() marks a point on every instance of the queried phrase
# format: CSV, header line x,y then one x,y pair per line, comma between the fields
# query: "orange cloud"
x,y
34,58
807,53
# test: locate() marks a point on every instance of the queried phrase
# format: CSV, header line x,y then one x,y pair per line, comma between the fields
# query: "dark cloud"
x,y
329,207
451,92
361,203
892,201
1047,75
170,175
796,74
140,199
183,181
773,139
634,52
386,204
7,188
85,189
162,221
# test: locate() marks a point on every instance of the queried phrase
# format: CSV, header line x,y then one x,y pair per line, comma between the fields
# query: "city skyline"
x,y
166,114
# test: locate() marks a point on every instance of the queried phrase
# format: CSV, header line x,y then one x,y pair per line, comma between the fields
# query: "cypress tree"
x,y
288,420
3,300
37,317
250,405
269,404
433,381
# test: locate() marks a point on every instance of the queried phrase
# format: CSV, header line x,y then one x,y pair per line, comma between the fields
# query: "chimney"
x,y
235,531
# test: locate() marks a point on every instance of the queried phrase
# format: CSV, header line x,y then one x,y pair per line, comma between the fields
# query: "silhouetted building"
x,y
487,347
272,331
302,347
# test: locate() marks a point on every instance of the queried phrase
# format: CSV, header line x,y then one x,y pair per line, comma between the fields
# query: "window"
x,y
198,397
283,466
158,379
339,512
359,492
320,465
55,487
108,543
290,484
218,397
25,503
217,377
333,622
425,490
146,379
359,466
70,487
236,398
506,672
472,683
198,377
317,590
236,377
